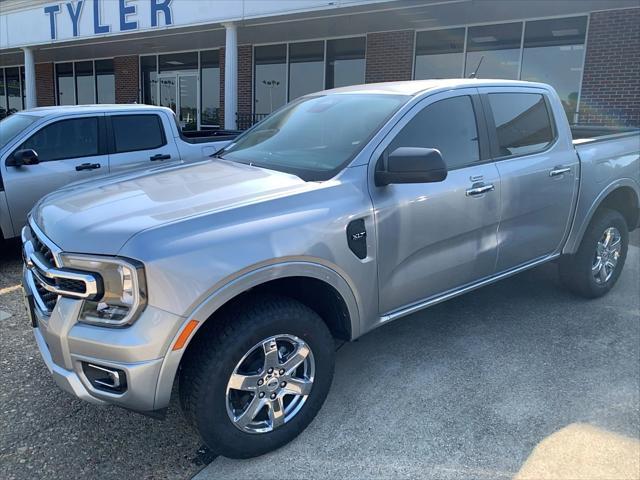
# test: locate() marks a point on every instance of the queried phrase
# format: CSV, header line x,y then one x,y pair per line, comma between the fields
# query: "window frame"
x,y
484,146
493,131
102,144
111,134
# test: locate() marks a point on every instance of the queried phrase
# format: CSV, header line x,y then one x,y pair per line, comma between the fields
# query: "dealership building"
x,y
228,63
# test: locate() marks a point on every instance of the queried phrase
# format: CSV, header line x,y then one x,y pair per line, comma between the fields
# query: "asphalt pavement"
x,y
478,387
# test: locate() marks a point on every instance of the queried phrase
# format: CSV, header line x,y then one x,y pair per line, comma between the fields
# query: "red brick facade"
x,y
45,85
127,71
245,80
389,56
611,83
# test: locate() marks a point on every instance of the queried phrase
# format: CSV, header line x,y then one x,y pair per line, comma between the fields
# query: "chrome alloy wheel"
x,y
270,384
607,255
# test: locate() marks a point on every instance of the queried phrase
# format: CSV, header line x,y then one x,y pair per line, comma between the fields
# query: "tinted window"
x,y
270,78
137,132
65,139
11,126
64,79
85,85
345,62
448,125
498,46
522,122
306,67
105,81
439,53
210,87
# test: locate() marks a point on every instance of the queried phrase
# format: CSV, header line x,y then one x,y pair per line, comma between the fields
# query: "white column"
x,y
31,100
230,76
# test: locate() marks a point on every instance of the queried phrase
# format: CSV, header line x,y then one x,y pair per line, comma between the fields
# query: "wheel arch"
x,y
622,196
332,295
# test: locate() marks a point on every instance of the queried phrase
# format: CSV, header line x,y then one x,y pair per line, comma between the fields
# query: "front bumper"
x,y
138,350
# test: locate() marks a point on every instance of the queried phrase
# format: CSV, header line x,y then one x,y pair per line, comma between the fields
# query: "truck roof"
x,y
101,108
416,87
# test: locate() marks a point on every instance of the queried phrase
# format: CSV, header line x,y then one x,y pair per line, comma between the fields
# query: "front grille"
x,y
49,299
39,246
69,285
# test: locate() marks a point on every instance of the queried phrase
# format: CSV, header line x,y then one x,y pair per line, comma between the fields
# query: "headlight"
x,y
123,295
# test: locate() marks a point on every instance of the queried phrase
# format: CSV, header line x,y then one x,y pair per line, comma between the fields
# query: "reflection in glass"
x,y
210,87
149,73
85,86
14,91
105,81
306,68
498,46
188,85
168,92
439,54
178,61
345,62
65,83
270,78
553,54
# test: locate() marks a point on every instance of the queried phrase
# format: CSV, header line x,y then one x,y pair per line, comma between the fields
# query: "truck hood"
x,y
100,216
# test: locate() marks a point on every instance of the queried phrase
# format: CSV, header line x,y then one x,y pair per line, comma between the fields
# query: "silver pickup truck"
x,y
46,148
340,212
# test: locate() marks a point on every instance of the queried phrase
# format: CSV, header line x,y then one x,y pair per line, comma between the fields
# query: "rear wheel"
x,y
597,265
256,380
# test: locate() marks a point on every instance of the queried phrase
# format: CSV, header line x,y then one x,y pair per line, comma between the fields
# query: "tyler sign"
x,y
128,15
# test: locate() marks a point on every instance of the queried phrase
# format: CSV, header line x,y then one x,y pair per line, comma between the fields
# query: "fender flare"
x,y
238,285
578,230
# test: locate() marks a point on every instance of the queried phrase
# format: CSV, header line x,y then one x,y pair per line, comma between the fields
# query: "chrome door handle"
x,y
559,171
480,190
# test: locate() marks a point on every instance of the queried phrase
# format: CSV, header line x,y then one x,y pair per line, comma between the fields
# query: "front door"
x,y
68,150
435,237
179,91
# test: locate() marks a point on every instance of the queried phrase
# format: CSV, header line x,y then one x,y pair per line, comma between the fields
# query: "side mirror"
x,y
411,165
23,157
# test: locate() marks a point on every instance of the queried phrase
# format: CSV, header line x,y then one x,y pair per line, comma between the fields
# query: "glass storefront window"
x,y
499,48
172,62
14,89
85,86
149,73
439,54
105,81
345,62
3,95
306,68
553,54
65,84
210,87
270,78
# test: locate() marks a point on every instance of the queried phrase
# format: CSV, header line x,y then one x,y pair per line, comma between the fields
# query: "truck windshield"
x,y
314,137
13,125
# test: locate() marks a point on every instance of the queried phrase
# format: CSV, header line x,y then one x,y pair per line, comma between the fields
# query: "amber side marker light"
x,y
184,335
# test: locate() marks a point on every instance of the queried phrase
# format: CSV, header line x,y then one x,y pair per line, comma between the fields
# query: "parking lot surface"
x,y
466,389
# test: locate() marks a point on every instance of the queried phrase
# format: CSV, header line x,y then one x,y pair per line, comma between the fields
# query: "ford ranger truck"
x,y
341,212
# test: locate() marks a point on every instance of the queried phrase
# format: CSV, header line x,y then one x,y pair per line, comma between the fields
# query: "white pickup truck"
x,y
44,149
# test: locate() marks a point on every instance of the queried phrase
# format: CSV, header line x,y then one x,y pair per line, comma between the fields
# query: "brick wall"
x,y
611,84
245,80
45,87
389,56
127,70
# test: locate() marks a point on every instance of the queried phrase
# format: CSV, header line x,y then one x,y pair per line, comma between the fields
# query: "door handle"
x,y
559,171
159,156
475,191
87,166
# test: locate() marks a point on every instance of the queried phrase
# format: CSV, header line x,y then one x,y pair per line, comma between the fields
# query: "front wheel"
x,y
254,381
597,265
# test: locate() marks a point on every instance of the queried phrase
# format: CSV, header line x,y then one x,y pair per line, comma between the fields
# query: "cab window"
x,y
65,139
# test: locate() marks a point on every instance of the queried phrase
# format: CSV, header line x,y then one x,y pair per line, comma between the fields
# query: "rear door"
x,y
436,237
138,140
538,171
69,150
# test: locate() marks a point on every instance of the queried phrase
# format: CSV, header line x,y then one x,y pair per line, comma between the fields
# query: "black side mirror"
x,y
411,165
23,157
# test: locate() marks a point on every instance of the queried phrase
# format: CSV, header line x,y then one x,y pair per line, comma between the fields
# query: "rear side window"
x,y
137,132
448,125
65,139
523,124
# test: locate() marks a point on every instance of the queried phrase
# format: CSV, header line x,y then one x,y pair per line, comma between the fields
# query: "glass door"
x,y
179,92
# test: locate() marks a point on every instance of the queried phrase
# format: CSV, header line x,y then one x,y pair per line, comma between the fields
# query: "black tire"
x,y
215,353
576,270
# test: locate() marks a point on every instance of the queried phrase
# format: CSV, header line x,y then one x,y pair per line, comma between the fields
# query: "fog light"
x,y
105,378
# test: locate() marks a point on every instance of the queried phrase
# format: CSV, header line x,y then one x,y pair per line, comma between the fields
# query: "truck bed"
x,y
588,133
